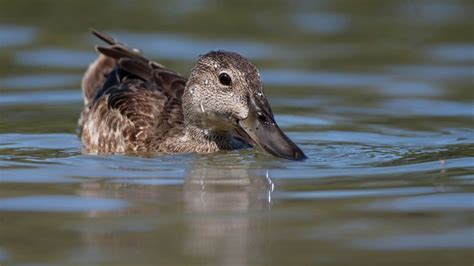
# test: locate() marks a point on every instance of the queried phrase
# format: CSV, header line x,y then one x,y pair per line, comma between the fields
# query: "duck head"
x,y
224,94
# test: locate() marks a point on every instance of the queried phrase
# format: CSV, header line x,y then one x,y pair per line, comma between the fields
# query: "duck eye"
x,y
225,79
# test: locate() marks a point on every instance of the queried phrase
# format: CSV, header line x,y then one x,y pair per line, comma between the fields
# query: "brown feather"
x,y
133,105
104,37
137,67
142,107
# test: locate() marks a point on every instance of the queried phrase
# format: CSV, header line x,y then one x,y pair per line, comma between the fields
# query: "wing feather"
x,y
139,103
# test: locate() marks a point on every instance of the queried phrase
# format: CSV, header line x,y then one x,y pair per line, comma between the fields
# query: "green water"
x,y
378,94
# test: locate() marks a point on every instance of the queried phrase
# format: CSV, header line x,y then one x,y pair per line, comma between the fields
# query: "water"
x,y
379,95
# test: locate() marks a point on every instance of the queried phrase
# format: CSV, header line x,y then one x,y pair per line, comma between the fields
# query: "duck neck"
x,y
221,138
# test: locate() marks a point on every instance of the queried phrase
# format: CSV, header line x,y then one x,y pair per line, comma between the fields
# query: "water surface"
x,y
379,95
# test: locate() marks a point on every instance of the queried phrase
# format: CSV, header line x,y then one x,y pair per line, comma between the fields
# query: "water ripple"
x,y
3,254
453,239
12,35
354,193
461,52
59,203
325,23
40,81
182,47
55,57
435,202
320,78
45,97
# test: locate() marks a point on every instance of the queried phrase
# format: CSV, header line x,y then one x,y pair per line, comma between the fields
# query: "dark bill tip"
x,y
299,156
271,139
275,142
294,155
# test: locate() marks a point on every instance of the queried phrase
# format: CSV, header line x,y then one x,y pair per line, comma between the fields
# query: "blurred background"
x,y
379,94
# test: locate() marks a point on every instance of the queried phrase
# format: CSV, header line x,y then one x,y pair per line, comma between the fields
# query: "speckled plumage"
x,y
134,105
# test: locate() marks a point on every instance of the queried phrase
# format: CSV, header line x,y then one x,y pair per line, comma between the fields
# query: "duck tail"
x,y
95,76
98,71
109,57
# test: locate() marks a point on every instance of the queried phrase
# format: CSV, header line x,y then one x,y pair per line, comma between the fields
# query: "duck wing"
x,y
139,102
131,63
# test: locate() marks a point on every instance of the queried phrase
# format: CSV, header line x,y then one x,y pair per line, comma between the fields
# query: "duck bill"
x,y
262,129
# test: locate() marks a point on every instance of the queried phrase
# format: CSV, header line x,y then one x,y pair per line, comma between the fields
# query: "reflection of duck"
x,y
228,212
136,105
218,216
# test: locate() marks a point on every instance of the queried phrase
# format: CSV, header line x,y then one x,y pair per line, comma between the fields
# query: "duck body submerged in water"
x,y
134,105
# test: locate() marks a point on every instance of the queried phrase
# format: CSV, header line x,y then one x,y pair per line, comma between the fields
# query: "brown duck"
x,y
134,105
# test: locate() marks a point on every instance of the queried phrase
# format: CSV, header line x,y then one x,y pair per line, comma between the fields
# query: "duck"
x,y
133,105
